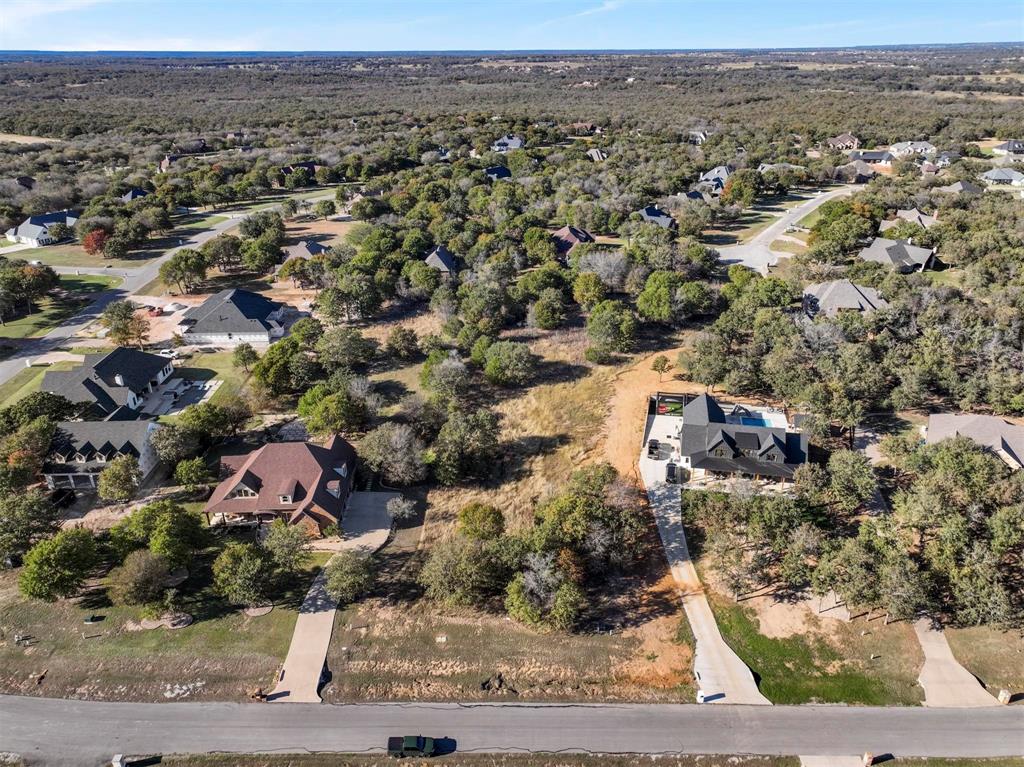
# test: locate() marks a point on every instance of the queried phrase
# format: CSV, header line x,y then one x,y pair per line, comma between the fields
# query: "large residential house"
x,y
878,157
443,260
843,142
898,255
80,450
568,237
305,249
507,143
1014,148
1004,439
232,317
831,298
1000,177
299,482
34,231
907,148
960,187
114,384
652,214
497,172
742,443
856,172
133,194
780,167
913,215
715,178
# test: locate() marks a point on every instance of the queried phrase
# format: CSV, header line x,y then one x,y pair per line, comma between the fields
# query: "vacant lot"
x,y
17,138
995,657
825,660
51,311
753,220
222,656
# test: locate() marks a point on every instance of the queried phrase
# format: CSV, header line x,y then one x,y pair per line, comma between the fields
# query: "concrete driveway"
x,y
757,254
946,683
723,677
366,526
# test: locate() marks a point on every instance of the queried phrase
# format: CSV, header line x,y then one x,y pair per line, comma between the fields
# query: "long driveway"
x,y
756,253
133,281
722,676
73,732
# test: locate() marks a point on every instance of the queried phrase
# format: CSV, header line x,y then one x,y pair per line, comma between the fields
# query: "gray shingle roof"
x,y
1004,438
913,215
652,214
832,297
305,249
714,442
35,226
95,381
1003,175
897,254
442,259
92,439
231,311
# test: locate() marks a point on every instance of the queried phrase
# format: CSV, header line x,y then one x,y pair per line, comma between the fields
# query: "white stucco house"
x,y
80,450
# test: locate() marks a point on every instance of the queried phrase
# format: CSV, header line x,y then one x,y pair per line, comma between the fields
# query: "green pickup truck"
x,y
411,745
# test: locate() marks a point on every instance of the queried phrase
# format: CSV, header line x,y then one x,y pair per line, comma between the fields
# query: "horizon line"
x,y
489,51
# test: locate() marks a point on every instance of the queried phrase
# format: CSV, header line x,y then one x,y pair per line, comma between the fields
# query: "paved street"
x,y
70,732
756,254
723,677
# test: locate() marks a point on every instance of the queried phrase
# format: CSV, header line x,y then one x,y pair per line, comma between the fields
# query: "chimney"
x,y
119,379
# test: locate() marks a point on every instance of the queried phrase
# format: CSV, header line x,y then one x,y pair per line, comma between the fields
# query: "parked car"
x,y
170,354
411,745
671,473
653,448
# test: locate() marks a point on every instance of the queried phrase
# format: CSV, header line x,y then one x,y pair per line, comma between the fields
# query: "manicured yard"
x,y
787,246
52,311
26,381
223,655
878,668
207,366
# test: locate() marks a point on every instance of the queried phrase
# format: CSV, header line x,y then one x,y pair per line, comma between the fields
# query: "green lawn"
x,y
221,656
207,366
947,278
786,246
26,381
52,310
878,668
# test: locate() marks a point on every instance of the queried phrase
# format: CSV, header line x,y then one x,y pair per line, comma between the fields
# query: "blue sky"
x,y
362,25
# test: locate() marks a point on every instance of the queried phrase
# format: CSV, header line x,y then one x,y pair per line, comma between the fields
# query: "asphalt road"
x,y
66,732
756,253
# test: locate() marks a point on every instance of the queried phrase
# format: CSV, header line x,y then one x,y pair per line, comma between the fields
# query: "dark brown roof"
x,y
568,237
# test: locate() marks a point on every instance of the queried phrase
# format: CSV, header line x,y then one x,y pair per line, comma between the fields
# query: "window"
x,y
342,470
720,452
284,498
242,492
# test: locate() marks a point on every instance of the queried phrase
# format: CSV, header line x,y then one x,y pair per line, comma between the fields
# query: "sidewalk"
x,y
946,683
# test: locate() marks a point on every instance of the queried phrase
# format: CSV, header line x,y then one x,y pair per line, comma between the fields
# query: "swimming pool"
x,y
748,421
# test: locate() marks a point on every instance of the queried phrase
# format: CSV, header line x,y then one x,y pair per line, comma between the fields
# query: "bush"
x,y
141,579
509,363
480,521
120,480
288,546
350,575
401,508
394,450
402,343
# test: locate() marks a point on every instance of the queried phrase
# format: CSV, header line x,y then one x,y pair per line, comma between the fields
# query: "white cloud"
x,y
605,7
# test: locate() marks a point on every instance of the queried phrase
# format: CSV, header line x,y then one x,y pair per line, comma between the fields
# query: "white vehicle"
x,y
169,353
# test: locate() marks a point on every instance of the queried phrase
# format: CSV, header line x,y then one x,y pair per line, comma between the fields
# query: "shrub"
x,y
481,521
350,575
141,579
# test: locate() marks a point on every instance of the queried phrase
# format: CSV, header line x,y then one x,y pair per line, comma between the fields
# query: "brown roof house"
x,y
302,483
843,141
568,237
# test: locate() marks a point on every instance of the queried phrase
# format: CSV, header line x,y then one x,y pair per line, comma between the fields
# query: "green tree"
x,y
174,443
57,567
288,546
142,579
25,518
465,446
349,576
851,479
244,356
124,326
241,574
611,328
588,290
120,480
324,208
396,452
548,311
657,300
661,365
192,473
